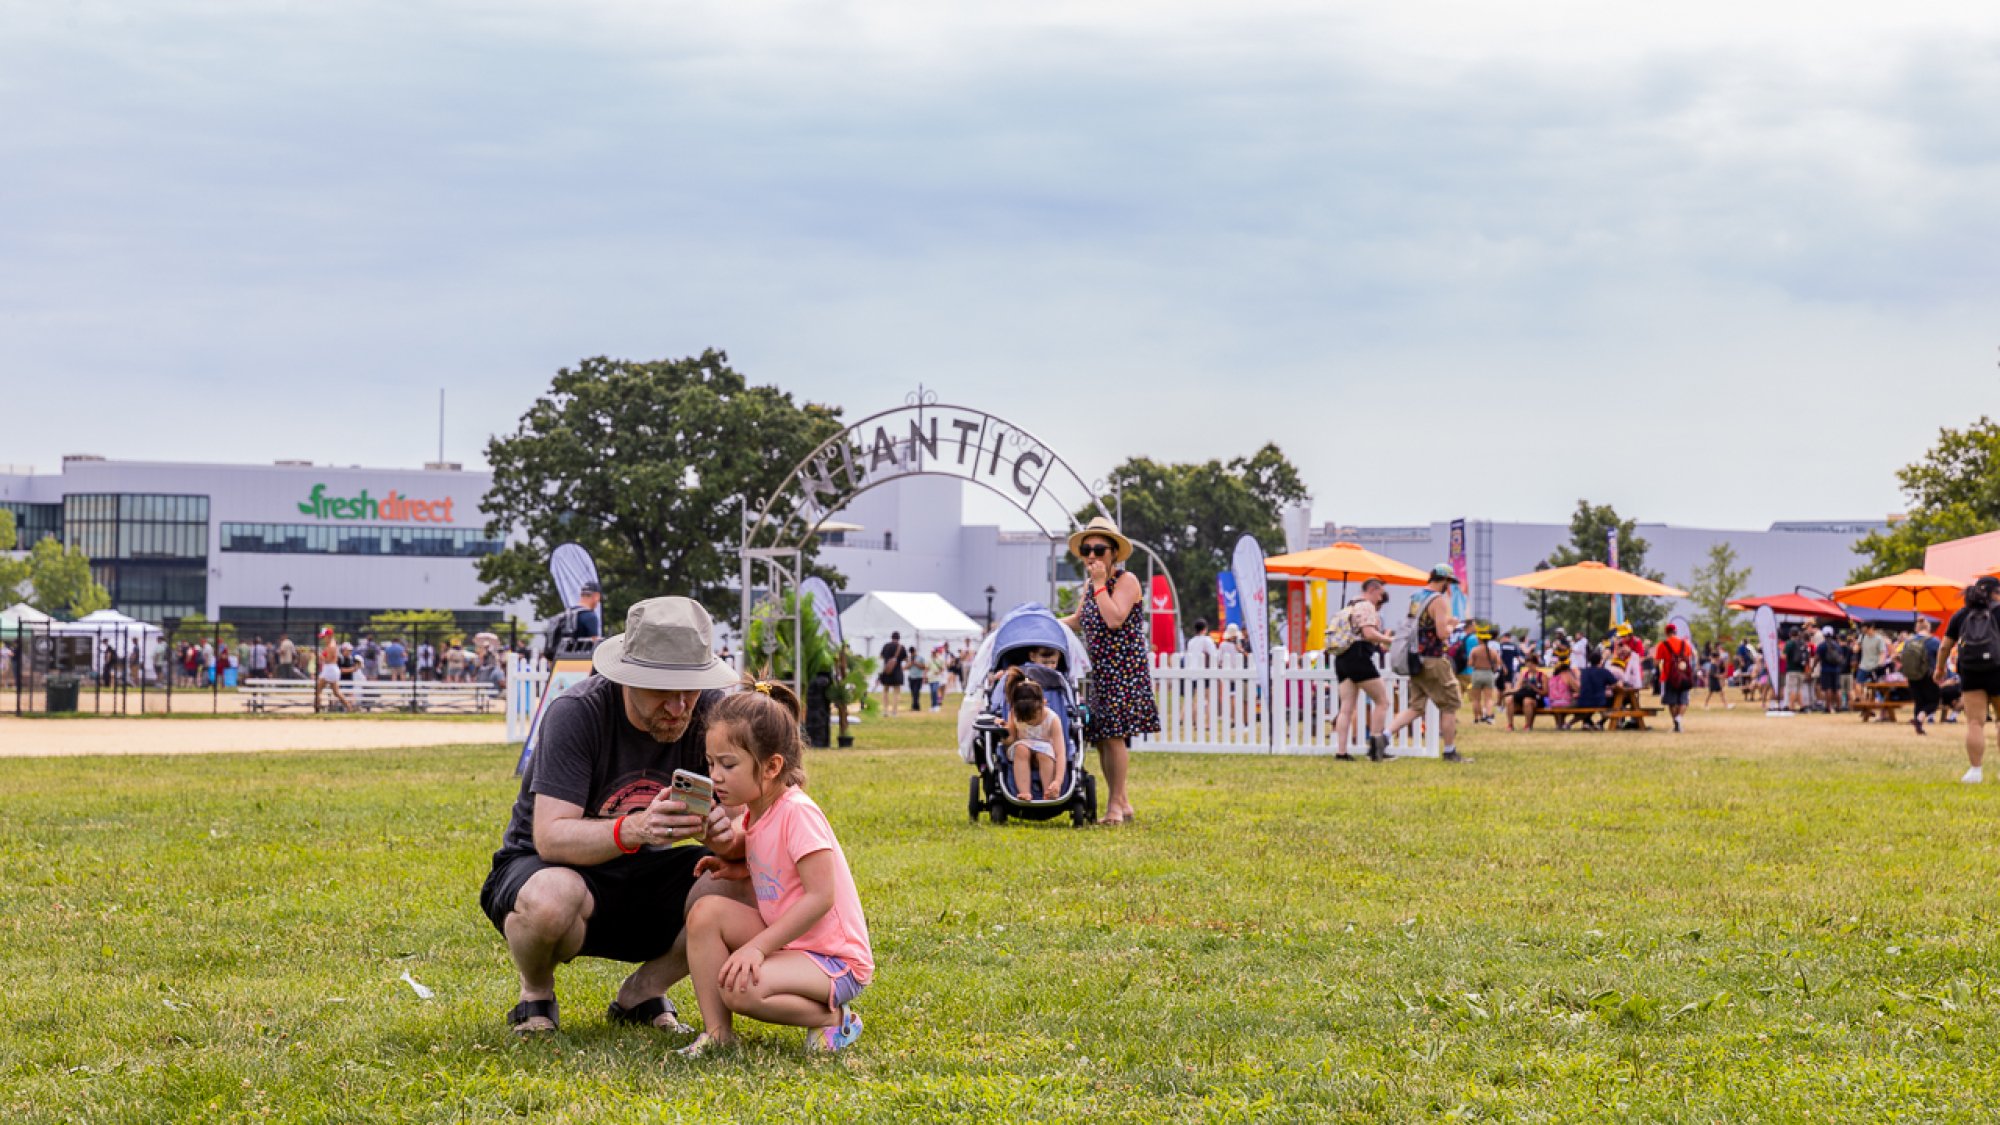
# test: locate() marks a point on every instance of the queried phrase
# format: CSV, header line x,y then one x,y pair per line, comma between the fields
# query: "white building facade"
x,y
170,540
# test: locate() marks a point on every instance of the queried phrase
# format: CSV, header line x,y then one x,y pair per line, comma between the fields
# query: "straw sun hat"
x,y
1102,526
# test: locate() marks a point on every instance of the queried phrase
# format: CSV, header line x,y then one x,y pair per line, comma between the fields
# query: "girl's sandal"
x,y
836,1038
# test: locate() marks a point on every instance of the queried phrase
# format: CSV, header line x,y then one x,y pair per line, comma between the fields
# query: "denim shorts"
x,y
842,987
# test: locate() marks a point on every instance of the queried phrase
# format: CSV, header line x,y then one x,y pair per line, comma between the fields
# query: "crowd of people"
x,y
940,673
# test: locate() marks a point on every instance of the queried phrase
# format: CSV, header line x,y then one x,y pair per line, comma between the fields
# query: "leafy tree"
x,y
1589,538
1712,587
1193,514
13,572
433,625
61,578
1952,493
195,629
647,466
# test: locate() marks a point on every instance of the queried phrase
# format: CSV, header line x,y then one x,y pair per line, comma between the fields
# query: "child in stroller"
x,y
1034,735
1030,648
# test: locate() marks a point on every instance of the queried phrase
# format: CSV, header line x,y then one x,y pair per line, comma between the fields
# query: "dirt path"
x,y
61,738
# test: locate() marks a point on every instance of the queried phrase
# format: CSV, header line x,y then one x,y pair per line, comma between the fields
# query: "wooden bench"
x,y
1637,714
1882,710
373,695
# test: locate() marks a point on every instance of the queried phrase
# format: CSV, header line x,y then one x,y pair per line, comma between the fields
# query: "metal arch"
x,y
919,402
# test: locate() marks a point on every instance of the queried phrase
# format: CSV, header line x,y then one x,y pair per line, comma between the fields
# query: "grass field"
x,y
1758,920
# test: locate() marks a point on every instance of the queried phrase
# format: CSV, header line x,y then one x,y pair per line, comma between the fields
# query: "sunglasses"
x,y
1092,550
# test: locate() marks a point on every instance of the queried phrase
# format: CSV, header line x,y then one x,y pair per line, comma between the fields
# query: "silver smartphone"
x,y
694,791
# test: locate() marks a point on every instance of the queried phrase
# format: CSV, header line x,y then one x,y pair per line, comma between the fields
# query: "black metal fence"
x,y
114,669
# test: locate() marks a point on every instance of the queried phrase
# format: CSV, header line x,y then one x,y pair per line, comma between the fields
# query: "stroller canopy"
x,y
1029,625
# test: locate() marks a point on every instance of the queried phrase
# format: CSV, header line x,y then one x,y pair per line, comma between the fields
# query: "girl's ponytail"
x,y
769,714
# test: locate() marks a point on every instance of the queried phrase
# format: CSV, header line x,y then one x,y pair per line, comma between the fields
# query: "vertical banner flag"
x,y
1682,627
1457,560
825,608
1227,610
1767,636
1298,620
1316,632
570,566
1611,557
1160,611
1253,598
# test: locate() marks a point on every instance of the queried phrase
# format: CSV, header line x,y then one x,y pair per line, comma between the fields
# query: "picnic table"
x,y
1881,706
1638,715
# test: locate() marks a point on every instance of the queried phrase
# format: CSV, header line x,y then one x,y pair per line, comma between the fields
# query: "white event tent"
x,y
109,625
924,620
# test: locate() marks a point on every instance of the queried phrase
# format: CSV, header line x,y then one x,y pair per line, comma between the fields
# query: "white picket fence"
x,y
1226,710
1203,709
524,694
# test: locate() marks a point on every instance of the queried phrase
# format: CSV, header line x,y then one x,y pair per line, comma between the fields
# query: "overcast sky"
x,y
1716,263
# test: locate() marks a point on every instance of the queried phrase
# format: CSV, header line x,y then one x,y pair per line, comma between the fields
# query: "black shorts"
x,y
1987,681
639,901
891,679
1357,664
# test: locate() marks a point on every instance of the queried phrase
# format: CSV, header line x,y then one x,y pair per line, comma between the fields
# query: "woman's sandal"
x,y
647,1011
532,1009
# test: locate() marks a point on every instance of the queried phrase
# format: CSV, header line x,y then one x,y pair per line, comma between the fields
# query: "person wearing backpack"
x,y
1675,657
1914,658
1355,636
1422,649
1974,634
1832,666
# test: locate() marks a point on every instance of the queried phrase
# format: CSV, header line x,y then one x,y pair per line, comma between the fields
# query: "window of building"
x,y
326,539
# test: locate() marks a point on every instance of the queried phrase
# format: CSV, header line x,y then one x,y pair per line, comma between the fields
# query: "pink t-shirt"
x,y
791,829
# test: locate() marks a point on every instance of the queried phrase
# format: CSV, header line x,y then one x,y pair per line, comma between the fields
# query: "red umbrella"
x,y
1792,605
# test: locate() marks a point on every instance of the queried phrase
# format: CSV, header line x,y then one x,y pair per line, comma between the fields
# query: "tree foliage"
x,y
1193,514
647,466
433,625
1711,587
61,580
196,629
1952,493
1589,539
13,572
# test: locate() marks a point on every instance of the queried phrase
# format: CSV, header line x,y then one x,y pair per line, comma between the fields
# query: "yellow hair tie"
x,y
761,686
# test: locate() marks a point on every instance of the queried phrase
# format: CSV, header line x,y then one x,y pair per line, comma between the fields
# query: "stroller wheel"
x,y
998,812
1078,817
1089,788
972,805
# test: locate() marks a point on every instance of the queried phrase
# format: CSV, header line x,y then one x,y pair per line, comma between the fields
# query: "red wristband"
x,y
618,843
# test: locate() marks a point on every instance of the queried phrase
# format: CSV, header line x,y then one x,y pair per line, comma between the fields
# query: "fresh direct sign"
x,y
365,507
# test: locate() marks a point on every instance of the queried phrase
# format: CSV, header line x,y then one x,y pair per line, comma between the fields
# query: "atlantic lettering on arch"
x,y
933,440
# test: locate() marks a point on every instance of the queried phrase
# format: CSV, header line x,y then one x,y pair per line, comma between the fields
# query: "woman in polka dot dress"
x,y
1120,694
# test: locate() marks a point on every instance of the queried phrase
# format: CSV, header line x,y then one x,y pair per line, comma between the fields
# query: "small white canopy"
x,y
122,633
21,613
925,620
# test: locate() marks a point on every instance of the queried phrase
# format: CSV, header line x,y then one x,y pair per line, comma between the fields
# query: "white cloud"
x,y
1172,229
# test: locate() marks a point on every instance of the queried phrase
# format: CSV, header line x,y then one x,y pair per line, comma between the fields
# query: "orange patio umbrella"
x,y
1346,561
1911,590
1589,577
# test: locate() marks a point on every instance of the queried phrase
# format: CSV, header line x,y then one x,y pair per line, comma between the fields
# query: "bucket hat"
x,y
668,645
1121,547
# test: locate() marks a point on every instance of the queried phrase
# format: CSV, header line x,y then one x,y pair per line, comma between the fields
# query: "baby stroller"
x,y
992,790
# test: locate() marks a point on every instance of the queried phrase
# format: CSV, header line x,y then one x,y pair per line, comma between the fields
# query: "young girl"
x,y
801,955
1562,691
1033,731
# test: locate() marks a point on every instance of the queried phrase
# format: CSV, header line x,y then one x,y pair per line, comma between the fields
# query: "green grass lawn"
x,y
1760,920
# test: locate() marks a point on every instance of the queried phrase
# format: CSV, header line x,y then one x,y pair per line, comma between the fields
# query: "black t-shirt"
x,y
1832,656
589,754
1956,628
893,655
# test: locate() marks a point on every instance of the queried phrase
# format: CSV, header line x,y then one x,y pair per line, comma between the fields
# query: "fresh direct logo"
x,y
365,507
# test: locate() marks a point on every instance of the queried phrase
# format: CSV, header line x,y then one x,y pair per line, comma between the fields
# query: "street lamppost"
x,y
990,591
286,590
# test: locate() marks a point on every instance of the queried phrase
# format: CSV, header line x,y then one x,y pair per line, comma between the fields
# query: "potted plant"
x,y
852,677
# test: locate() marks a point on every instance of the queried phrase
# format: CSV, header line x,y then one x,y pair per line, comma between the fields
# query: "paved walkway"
x,y
61,738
